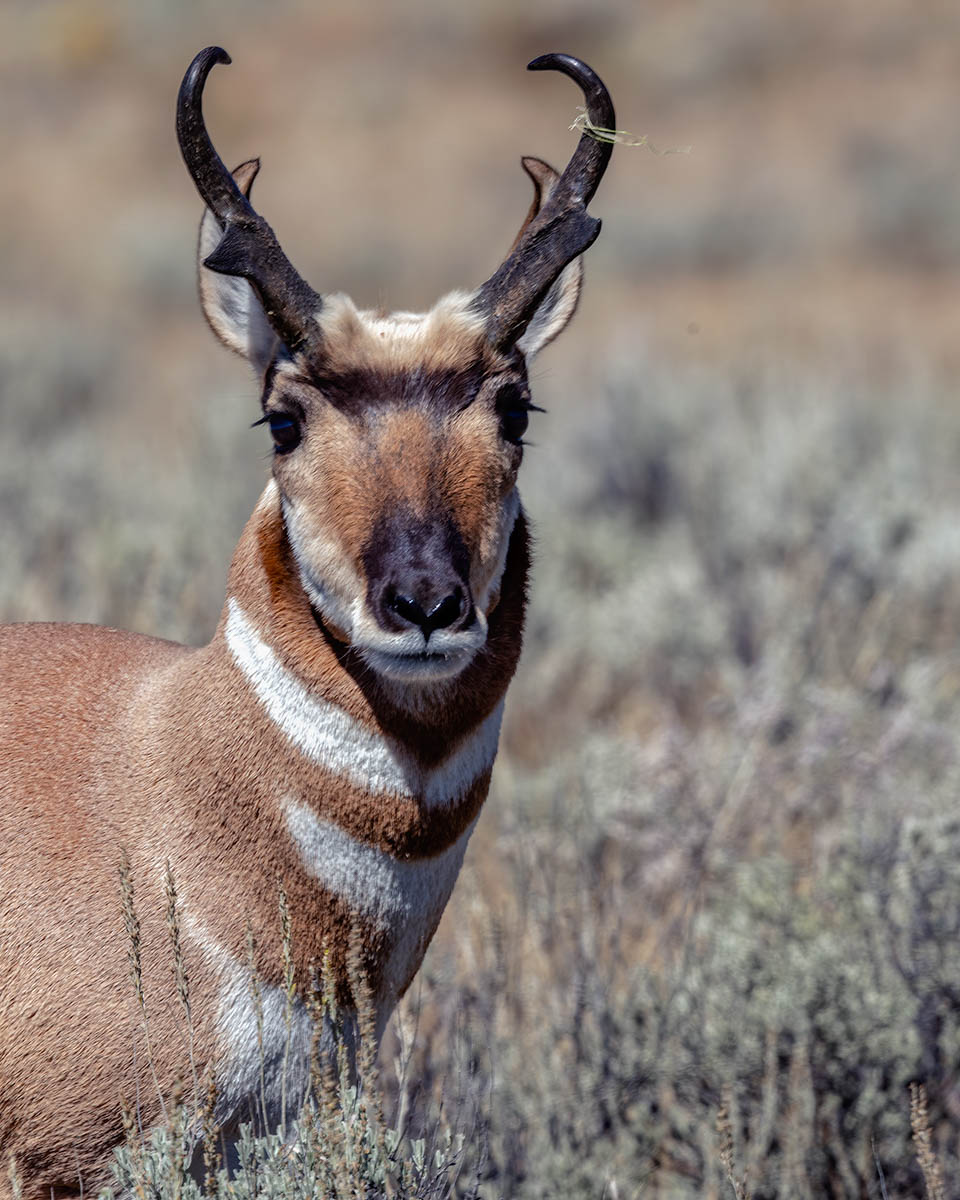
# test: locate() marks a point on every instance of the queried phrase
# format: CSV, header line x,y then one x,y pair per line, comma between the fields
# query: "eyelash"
x,y
513,407
284,429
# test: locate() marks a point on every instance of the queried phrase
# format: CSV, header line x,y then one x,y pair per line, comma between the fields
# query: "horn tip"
x,y
196,76
553,62
204,62
599,104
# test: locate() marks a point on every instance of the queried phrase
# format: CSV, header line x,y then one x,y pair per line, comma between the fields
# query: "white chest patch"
x,y
331,738
403,898
265,1072
257,1076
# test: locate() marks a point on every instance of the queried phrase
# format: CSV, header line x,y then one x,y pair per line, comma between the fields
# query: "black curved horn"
x,y
249,246
562,230
585,169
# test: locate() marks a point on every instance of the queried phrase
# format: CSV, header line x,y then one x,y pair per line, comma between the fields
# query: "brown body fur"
x,y
163,753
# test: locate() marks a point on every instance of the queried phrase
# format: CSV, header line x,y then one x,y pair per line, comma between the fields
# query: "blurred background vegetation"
x,y
719,864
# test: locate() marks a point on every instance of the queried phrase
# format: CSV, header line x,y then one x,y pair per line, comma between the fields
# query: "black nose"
x,y
418,573
441,615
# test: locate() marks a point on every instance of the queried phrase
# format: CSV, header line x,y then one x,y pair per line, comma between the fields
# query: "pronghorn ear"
x,y
229,303
560,302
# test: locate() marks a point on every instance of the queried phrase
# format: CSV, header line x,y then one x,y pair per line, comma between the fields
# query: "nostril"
x,y
408,610
446,612
441,615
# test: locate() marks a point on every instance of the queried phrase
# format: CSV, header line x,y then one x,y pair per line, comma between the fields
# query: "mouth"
x,y
399,659
423,666
407,666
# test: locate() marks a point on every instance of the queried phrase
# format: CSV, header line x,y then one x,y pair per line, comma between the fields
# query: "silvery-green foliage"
x,y
309,1163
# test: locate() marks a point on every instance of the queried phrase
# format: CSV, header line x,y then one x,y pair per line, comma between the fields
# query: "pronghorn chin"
x,y
311,777
427,666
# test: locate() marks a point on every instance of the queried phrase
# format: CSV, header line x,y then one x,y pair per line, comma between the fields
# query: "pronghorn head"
x,y
397,438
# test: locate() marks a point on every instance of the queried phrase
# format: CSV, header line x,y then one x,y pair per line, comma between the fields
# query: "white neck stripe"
x,y
403,899
384,889
328,736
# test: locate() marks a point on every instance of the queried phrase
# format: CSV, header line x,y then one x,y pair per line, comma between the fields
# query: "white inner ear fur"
x,y
560,302
229,303
558,306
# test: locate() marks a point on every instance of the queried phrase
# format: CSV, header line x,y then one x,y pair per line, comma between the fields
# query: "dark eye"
x,y
285,430
513,408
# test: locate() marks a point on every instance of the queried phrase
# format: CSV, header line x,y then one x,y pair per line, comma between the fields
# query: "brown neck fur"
x,y
244,773
265,580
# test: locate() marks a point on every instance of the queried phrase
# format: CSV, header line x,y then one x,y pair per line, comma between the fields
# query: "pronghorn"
x,y
336,736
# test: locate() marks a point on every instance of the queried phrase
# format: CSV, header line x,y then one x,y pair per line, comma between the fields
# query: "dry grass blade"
x,y
256,994
315,1008
726,1150
134,1145
582,124
210,1134
181,980
16,1187
923,1142
330,1073
290,991
131,923
177,1128
370,1096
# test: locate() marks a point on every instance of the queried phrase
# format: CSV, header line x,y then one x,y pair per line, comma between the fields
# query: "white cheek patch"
x,y
329,737
333,588
508,518
403,898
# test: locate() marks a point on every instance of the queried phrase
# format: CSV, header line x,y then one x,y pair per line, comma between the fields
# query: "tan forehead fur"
x,y
443,339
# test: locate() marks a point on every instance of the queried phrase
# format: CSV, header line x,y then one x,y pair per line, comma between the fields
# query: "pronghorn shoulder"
x,y
73,658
